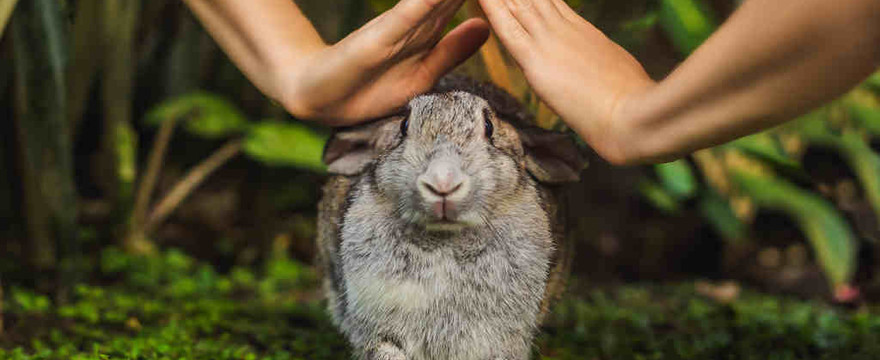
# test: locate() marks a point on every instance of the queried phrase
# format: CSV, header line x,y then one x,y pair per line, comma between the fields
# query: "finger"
x,y
425,36
525,13
508,29
547,10
455,48
566,11
410,15
432,30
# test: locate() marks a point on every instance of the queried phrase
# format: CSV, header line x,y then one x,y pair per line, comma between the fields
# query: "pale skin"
x,y
372,72
771,61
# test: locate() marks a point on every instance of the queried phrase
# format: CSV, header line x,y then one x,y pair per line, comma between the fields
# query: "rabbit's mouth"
x,y
446,226
449,222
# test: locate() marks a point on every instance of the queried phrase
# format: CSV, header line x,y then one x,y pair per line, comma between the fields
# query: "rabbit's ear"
x,y
551,157
350,150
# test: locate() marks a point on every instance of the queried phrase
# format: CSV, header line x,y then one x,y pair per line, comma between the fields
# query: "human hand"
x,y
379,67
580,73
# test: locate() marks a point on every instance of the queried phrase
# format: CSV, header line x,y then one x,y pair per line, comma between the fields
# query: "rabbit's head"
x,y
449,161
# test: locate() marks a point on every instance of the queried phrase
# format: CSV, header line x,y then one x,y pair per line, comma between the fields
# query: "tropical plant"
x,y
767,170
210,116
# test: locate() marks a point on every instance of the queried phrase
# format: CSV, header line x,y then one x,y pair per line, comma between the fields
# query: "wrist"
x,y
618,137
287,78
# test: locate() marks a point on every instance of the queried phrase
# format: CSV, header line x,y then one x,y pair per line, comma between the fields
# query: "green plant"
x,y
759,171
212,117
171,306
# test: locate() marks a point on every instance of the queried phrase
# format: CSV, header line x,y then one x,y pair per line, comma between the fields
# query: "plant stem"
x,y
189,182
136,240
40,50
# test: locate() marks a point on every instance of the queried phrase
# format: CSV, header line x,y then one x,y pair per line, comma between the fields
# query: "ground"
x,y
173,307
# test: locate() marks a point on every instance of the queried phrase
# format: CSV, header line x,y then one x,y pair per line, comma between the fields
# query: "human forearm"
x,y
771,61
370,73
261,37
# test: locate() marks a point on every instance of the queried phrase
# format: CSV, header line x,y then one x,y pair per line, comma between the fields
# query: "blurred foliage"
x,y
761,171
824,227
278,143
285,143
688,23
669,322
171,306
204,115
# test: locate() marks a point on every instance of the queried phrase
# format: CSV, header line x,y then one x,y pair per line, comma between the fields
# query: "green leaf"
x,y
286,144
864,110
719,214
766,147
866,164
677,178
658,196
207,115
855,149
814,128
688,23
827,232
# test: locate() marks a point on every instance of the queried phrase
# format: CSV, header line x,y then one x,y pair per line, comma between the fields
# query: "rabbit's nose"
x,y
442,179
443,187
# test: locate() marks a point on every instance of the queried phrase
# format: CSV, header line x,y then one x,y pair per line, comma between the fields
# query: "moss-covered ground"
x,y
172,307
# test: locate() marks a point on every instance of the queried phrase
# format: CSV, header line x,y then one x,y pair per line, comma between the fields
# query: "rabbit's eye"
x,y
490,129
404,125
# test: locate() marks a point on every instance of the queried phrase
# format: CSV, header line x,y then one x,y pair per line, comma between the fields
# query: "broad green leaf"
x,y
658,196
717,211
205,115
858,154
827,232
286,144
766,147
678,178
866,164
688,23
814,128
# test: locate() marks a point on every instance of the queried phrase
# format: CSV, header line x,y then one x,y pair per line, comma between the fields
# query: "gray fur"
x,y
401,288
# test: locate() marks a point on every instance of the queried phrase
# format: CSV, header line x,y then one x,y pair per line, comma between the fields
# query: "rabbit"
x,y
439,230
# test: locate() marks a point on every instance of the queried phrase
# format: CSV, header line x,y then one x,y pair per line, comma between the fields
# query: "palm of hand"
x,y
378,68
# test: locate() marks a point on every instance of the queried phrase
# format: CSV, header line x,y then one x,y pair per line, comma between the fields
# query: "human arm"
x,y
771,61
370,73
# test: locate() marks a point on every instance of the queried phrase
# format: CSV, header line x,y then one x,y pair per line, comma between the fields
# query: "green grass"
x,y
172,307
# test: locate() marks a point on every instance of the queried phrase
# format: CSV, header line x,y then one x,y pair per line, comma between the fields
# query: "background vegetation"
x,y
153,204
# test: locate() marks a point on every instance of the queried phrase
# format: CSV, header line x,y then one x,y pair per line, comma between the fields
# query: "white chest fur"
x,y
458,297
